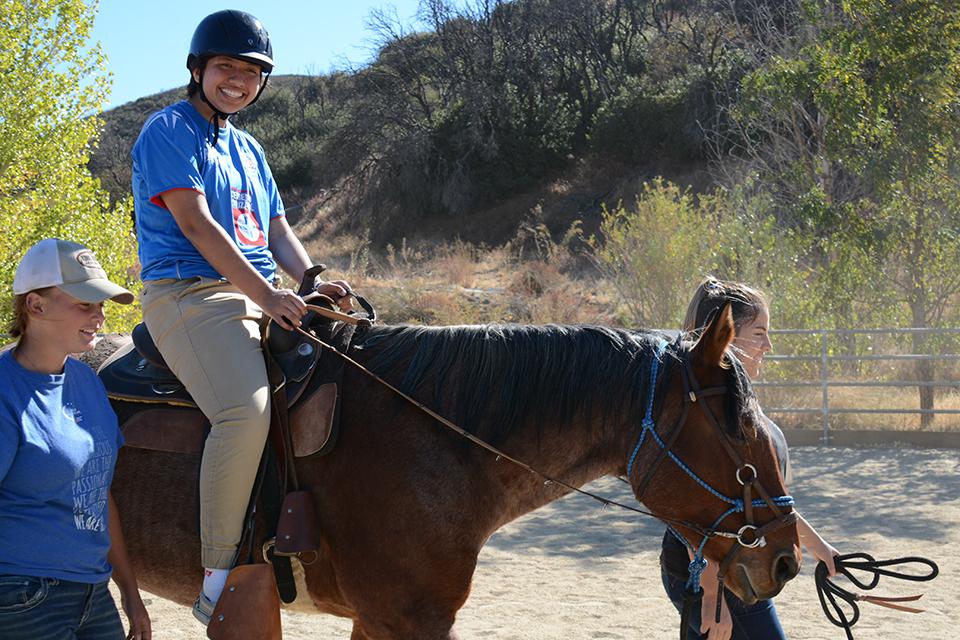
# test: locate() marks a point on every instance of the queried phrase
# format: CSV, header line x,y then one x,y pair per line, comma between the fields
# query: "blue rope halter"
x,y
698,563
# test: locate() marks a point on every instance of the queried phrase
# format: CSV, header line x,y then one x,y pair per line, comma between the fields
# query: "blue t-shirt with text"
x,y
58,447
174,151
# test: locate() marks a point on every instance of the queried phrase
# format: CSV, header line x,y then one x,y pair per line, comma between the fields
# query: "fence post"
x,y
825,389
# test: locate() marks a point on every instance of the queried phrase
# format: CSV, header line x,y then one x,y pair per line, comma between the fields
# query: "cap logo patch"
x,y
88,260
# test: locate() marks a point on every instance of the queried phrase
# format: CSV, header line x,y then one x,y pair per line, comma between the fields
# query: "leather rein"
x,y
748,536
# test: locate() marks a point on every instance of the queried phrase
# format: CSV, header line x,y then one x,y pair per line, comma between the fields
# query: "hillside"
x,y
446,176
830,133
532,108
576,190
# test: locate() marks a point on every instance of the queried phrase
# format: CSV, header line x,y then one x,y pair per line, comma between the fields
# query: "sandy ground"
x,y
575,571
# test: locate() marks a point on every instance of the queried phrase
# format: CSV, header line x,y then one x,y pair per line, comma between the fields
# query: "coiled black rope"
x,y
829,592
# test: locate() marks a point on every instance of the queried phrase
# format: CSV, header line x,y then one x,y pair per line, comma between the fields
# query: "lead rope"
x,y
829,592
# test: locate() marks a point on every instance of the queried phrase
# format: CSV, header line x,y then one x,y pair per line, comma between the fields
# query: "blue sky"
x,y
146,42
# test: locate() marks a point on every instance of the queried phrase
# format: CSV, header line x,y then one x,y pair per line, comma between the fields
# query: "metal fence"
x,y
823,353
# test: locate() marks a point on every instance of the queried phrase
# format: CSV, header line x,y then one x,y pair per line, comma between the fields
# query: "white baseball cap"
x,y
69,266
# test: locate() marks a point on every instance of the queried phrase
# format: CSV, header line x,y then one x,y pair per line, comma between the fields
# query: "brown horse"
x,y
405,504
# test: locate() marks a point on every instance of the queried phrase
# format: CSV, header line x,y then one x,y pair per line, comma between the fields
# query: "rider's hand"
x,y
284,306
338,291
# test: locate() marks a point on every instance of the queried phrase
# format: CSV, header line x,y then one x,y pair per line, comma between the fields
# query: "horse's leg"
x,y
359,634
404,565
408,597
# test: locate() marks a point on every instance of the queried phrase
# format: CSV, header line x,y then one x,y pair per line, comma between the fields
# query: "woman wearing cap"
x,y
211,232
58,446
738,620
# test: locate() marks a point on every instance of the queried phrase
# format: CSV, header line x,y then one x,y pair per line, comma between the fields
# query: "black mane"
x,y
741,401
491,378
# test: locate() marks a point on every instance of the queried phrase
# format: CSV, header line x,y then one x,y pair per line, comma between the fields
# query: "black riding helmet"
x,y
230,33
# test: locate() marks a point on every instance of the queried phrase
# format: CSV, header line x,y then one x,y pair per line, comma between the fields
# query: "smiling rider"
x,y
212,232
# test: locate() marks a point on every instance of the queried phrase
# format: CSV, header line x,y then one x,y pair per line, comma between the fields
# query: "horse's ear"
x,y
716,337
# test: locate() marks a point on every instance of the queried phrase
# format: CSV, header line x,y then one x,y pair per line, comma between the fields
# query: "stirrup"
x,y
203,608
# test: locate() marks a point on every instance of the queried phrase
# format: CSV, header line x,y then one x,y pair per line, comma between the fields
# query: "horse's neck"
x,y
571,455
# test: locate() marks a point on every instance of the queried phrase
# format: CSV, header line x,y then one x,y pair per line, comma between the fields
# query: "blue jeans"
x,y
750,622
51,609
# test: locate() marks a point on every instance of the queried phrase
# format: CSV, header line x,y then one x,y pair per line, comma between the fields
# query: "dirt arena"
x,y
575,571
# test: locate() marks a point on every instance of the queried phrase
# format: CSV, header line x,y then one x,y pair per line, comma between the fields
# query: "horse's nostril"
x,y
785,568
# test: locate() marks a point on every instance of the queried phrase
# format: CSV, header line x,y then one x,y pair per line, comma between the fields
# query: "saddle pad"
x,y
170,429
184,430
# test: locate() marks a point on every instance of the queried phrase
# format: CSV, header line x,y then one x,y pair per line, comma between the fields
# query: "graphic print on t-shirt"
x,y
245,223
91,483
249,163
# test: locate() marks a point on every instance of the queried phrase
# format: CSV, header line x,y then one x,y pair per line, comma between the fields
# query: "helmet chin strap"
x,y
217,116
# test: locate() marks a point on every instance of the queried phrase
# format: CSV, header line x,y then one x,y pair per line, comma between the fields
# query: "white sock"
x,y
213,582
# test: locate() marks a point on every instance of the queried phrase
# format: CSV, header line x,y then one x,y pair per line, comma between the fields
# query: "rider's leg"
x,y
207,332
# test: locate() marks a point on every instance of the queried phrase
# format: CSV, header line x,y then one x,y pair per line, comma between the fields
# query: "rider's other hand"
x,y
285,307
339,291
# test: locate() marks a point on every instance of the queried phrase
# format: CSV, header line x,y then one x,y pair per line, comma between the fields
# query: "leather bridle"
x,y
748,536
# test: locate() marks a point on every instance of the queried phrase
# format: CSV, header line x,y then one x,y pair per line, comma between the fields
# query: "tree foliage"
x,y
52,81
853,130
484,99
657,251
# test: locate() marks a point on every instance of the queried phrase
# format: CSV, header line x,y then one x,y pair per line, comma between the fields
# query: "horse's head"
x,y
709,453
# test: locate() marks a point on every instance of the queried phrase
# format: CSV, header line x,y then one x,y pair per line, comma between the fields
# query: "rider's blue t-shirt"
x,y
58,447
174,151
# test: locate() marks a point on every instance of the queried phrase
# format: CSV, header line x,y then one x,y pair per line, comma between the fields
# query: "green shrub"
x,y
645,122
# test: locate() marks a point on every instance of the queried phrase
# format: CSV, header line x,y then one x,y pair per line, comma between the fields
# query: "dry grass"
x,y
457,262
860,397
462,283
535,280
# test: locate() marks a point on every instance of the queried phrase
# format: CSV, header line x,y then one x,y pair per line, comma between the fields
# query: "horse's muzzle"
x,y
752,581
785,567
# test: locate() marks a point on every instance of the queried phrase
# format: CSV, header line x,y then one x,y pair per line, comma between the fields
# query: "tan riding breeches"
x,y
207,331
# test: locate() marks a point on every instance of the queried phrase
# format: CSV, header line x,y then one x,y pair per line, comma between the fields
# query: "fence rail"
x,y
825,381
